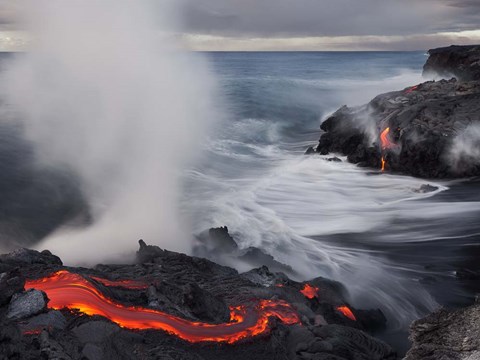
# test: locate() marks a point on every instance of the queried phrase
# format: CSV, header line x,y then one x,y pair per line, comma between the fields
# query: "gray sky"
x,y
310,24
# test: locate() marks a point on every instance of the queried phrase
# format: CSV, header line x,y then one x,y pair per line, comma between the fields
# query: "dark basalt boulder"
x,y
462,62
26,256
148,253
218,245
27,304
447,335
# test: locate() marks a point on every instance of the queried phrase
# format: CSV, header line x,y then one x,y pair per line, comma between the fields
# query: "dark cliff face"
x,y
432,127
463,62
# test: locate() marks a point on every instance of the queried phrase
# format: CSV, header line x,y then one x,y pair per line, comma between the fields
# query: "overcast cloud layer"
x,y
314,24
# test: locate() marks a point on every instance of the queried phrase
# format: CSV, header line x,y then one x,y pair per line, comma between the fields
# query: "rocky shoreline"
x,y
430,130
195,290
198,291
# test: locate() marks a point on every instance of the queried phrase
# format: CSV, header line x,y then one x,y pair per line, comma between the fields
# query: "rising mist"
x,y
108,94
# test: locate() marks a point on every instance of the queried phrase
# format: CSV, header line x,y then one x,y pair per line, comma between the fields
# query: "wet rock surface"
x,y
462,62
194,289
430,129
453,335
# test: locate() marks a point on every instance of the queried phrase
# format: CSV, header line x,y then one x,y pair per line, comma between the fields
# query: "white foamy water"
x,y
328,219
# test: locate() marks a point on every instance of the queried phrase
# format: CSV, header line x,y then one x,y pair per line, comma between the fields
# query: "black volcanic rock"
x,y
221,240
27,256
447,335
218,245
191,288
462,62
424,121
432,126
10,284
27,304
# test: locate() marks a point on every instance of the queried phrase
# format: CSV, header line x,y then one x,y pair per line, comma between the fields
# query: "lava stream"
x,y
384,138
72,291
386,144
345,310
411,89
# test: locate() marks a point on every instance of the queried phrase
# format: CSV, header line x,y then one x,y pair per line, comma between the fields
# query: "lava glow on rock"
x,y
73,291
384,137
310,291
411,89
347,312
386,144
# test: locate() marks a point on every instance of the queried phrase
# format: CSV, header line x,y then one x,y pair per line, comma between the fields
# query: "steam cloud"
x,y
465,150
107,94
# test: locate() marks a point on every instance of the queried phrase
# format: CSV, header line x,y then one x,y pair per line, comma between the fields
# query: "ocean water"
x,y
392,246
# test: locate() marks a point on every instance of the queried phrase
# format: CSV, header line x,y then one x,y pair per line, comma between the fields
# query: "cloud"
x,y
299,18
330,43
308,24
9,11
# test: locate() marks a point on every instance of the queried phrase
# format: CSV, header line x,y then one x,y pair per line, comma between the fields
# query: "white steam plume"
x,y
107,93
465,150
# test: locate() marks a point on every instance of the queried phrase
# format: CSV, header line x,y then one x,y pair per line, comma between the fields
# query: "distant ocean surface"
x,y
392,247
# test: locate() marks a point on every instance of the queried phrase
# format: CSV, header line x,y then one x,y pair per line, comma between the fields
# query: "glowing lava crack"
x,y
72,291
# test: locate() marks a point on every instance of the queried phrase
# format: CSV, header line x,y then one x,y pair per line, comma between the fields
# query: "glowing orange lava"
x,y
386,144
32,332
412,89
384,137
72,291
347,312
309,291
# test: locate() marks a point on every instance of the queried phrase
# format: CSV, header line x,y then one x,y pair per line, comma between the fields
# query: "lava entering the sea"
x,y
386,144
73,291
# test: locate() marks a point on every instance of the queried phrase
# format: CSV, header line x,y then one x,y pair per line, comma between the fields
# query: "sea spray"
x,y
106,92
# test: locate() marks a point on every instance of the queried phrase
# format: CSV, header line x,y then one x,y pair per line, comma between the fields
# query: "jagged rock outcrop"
x,y
193,289
218,245
452,335
431,130
462,62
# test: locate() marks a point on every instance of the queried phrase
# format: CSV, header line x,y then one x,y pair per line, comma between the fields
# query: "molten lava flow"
x,y
347,312
386,143
309,291
32,332
127,284
412,89
72,291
